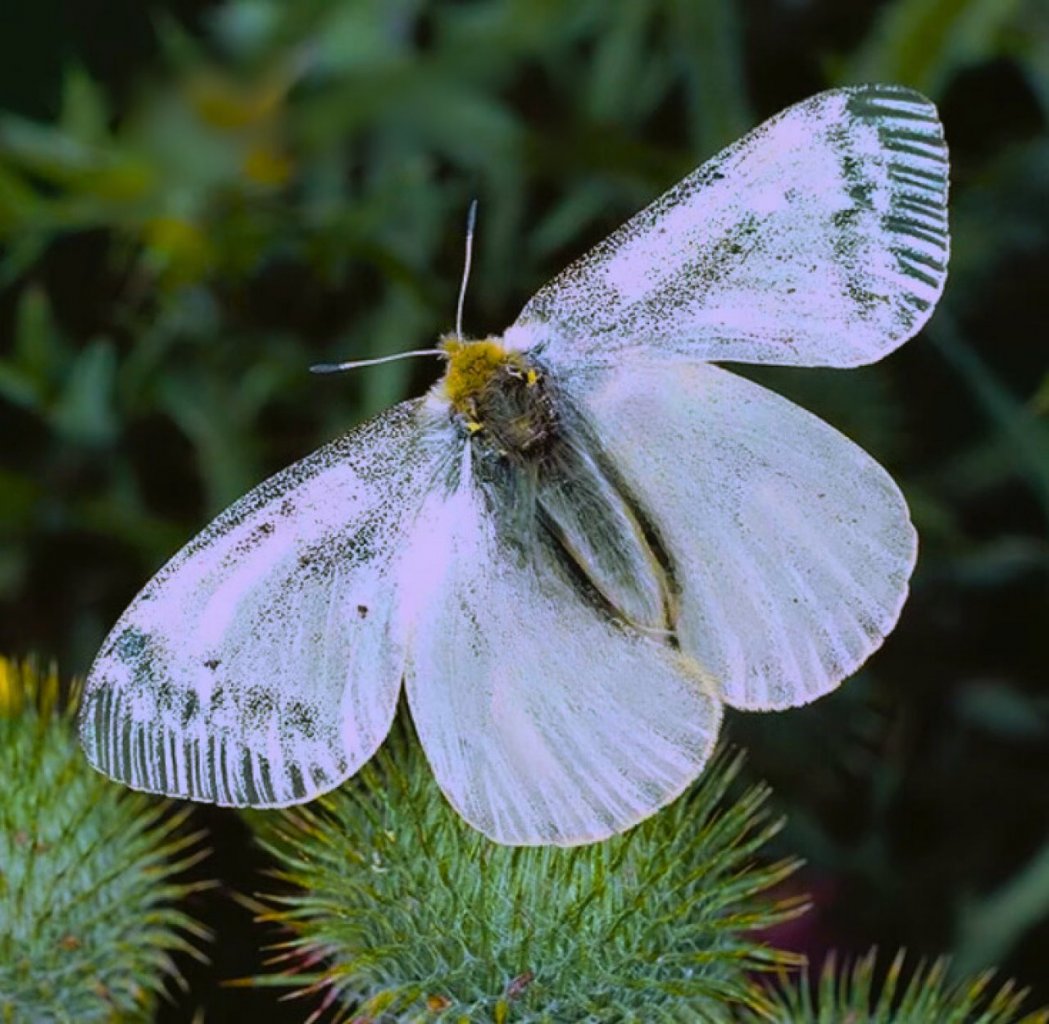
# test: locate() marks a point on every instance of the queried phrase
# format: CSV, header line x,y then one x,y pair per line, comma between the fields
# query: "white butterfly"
x,y
585,539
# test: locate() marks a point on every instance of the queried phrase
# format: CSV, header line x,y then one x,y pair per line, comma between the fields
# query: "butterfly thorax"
x,y
499,397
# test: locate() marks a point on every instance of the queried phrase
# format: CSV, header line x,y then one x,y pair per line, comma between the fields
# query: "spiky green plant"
x,y
413,915
850,995
88,873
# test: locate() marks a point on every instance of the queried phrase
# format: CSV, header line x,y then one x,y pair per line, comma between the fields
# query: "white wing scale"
x,y
261,665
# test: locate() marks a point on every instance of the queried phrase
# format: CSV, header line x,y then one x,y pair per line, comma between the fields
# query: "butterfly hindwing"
x,y
790,548
544,719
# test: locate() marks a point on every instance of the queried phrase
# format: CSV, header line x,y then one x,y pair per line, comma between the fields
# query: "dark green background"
x,y
197,200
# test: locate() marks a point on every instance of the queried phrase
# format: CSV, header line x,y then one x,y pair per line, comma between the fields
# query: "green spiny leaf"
x,y
855,995
88,873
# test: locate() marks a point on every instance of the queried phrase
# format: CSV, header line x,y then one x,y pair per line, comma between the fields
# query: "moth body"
x,y
589,537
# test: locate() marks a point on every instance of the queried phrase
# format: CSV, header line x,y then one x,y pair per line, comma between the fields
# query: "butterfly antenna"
x,y
354,363
471,221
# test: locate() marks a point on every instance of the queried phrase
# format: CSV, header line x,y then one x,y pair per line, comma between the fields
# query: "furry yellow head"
x,y
472,366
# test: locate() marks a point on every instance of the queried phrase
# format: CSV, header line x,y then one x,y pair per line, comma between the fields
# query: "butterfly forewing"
x,y
261,665
820,238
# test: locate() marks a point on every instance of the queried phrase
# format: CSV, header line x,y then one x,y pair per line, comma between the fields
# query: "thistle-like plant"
x,y
401,912
89,894
850,995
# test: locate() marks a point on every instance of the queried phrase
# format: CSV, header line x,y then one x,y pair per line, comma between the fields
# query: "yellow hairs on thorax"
x,y
471,367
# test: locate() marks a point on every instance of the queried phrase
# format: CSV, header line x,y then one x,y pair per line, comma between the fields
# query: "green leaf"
x,y
85,410
84,114
1028,435
923,43
1029,43
619,63
990,925
47,151
19,204
28,378
40,352
708,41
220,427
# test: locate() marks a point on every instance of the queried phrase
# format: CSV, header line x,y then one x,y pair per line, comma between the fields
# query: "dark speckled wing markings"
x,y
261,666
818,239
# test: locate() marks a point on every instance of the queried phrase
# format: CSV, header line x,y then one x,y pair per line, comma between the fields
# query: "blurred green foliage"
x,y
199,198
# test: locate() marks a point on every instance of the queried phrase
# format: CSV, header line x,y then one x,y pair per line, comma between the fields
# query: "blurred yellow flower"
x,y
224,103
266,165
24,684
179,248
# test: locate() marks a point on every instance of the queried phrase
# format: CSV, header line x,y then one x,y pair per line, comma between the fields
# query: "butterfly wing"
x,y
790,547
261,666
818,239
545,722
